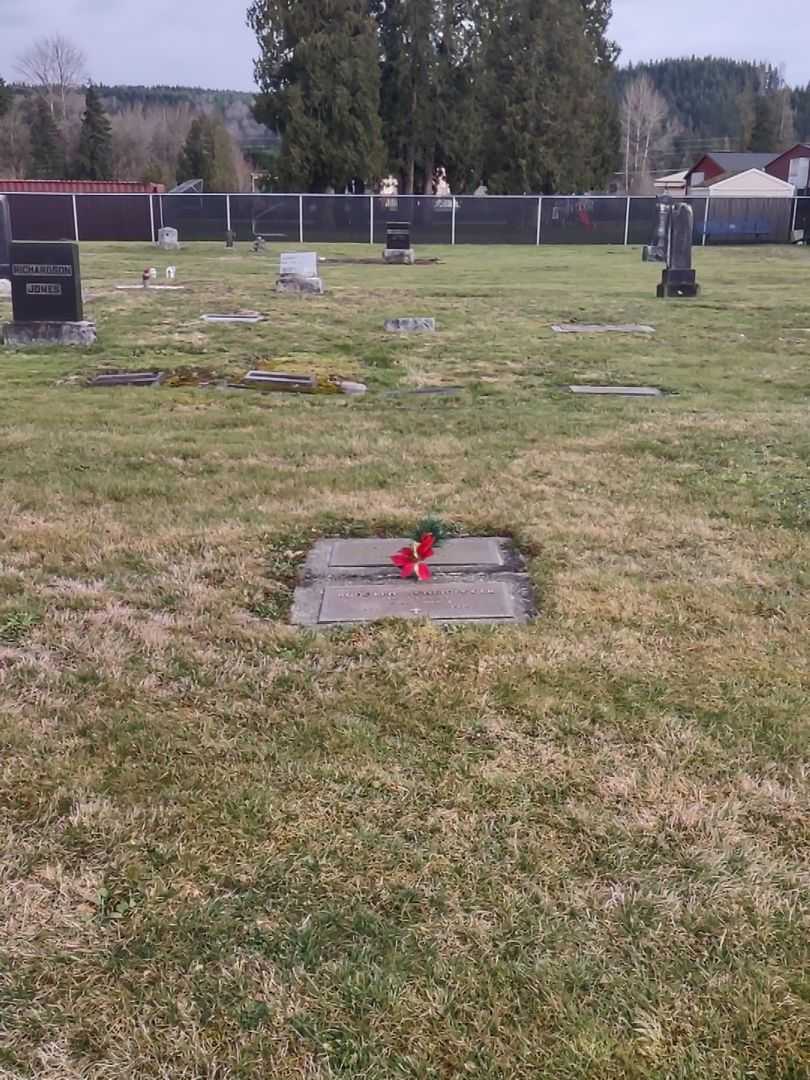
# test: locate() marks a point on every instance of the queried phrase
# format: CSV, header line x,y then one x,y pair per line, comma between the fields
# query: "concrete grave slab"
x,y
48,333
620,391
236,317
462,599
602,328
300,284
150,288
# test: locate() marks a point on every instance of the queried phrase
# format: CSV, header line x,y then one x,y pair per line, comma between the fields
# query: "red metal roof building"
x,y
82,187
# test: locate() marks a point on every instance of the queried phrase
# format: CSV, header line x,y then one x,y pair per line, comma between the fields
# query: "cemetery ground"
x,y
572,849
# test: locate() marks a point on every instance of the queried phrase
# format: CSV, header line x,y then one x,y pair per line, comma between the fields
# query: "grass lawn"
x,y
575,850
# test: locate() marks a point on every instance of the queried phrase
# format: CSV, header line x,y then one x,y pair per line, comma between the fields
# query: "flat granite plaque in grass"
x,y
467,551
475,579
602,328
621,391
442,600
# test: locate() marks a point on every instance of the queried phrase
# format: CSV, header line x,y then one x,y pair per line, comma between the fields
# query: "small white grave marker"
x,y
300,263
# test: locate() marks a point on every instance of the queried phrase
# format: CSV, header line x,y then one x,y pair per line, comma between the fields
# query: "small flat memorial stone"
x,y
621,391
427,391
410,323
128,378
271,380
236,317
443,601
464,551
602,328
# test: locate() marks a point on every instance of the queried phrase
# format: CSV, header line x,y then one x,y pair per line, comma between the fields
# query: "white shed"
x,y
751,184
674,184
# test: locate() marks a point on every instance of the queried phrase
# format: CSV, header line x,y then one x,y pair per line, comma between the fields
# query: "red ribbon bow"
x,y
411,559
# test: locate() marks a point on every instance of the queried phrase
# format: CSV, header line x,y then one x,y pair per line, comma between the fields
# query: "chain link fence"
x,y
358,219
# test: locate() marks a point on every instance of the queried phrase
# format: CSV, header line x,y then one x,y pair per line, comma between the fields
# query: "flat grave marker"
x,y
426,391
620,391
410,324
236,317
474,579
128,378
602,328
467,600
464,551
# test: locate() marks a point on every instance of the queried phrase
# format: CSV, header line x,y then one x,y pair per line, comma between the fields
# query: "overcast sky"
x,y
206,42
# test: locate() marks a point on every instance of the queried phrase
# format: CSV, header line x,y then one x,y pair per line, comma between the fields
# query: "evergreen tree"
x,y
546,65
94,158
208,155
196,161
765,135
6,97
319,77
224,176
801,109
47,150
429,103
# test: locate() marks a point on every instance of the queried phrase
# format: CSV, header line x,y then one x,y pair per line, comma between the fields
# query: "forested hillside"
x,y
234,106
714,101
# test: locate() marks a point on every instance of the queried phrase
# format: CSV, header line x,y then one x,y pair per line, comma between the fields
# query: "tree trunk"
x,y
408,175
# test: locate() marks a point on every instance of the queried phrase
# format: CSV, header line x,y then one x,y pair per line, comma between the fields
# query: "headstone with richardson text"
x,y
46,295
398,250
298,273
46,284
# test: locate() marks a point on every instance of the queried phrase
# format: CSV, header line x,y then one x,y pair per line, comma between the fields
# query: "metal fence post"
x,y
453,221
75,220
706,220
795,215
300,219
539,217
228,212
152,216
627,222
160,207
371,219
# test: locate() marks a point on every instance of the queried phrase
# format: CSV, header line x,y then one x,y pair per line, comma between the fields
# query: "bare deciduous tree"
x,y
15,143
647,132
56,65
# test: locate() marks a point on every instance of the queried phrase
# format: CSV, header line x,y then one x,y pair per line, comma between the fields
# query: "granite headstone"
x,y
672,245
5,238
168,239
298,273
46,284
398,248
